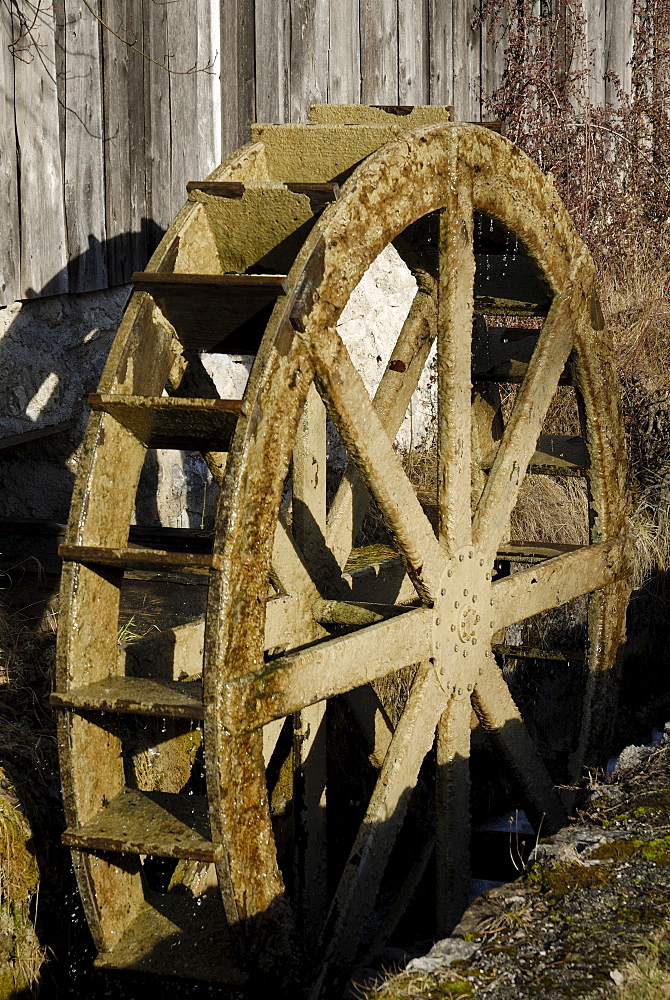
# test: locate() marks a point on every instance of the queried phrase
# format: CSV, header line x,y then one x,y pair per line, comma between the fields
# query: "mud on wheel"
x,y
268,859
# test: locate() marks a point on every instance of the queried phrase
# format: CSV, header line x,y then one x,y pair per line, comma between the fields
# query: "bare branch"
x,y
21,45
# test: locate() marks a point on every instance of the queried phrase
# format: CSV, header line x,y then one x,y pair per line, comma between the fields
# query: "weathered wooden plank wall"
x,y
493,56
84,165
238,83
43,253
379,51
104,120
413,54
97,138
10,246
272,60
409,51
618,47
124,152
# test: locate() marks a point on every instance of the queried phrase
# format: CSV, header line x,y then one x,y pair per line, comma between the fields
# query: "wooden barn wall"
x,y
396,52
97,139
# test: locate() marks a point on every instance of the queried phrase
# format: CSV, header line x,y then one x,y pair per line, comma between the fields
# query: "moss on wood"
x,y
20,952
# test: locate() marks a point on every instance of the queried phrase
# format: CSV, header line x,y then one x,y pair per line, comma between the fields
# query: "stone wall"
x,y
52,351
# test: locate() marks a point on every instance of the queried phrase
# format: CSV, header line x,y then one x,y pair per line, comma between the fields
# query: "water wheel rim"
x,y
392,189
237,604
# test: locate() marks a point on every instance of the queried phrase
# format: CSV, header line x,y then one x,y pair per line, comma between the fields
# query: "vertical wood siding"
x,y
493,56
238,78
467,62
441,44
344,63
413,52
124,148
618,47
43,254
308,69
84,149
97,139
272,60
379,51
10,246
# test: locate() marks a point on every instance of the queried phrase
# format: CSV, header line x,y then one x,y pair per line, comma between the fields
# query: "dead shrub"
x,y
611,166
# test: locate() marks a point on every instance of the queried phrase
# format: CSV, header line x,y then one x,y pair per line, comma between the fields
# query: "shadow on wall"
x,y
52,351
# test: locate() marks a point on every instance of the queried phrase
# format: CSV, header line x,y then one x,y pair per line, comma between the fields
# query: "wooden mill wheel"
x,y
262,260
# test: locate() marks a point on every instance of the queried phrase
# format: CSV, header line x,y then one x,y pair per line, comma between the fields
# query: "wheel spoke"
x,y
309,495
380,468
309,479
607,631
309,725
289,683
455,308
452,805
309,820
392,398
487,431
500,718
520,438
405,895
360,880
557,581
288,568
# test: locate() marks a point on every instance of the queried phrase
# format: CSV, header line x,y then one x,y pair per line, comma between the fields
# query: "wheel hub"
x,y
467,629
462,620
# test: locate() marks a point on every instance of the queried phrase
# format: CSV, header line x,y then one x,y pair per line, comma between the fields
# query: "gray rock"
x,y
475,918
442,954
577,834
630,757
605,795
575,844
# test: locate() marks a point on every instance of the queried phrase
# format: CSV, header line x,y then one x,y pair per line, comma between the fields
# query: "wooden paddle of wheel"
x,y
263,259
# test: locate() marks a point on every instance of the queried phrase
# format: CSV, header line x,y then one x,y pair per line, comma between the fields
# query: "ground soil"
x,y
591,916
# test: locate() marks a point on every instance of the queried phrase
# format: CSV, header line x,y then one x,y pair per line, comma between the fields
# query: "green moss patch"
x,y
427,988
654,851
651,808
557,880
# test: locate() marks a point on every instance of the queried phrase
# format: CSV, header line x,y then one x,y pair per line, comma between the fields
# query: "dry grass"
x,y
28,745
418,986
648,977
393,691
636,301
21,956
421,468
27,761
635,294
551,510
